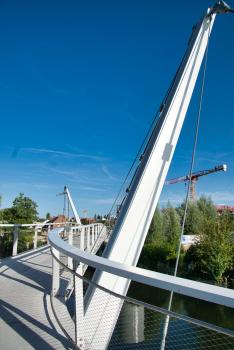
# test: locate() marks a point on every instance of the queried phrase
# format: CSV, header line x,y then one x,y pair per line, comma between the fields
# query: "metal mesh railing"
x,y
113,321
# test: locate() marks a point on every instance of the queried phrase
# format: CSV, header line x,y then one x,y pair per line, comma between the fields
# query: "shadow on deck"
x,y
27,321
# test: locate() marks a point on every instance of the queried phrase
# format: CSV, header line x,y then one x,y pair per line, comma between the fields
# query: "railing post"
x,y
95,233
82,239
35,239
70,241
15,242
55,277
88,239
48,234
79,305
92,235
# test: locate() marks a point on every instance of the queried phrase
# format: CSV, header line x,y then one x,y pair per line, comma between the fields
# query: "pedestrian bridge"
x,y
48,303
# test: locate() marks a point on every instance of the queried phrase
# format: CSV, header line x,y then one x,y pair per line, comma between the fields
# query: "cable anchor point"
x,y
220,7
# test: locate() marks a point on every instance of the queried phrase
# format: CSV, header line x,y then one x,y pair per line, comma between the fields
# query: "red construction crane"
x,y
195,177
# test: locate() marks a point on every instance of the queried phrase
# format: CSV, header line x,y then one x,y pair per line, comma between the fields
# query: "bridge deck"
x,y
26,318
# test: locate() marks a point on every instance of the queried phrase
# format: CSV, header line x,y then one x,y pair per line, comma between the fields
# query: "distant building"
x,y
222,208
188,240
55,219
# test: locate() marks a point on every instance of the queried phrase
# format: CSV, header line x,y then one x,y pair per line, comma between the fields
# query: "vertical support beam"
x,y
88,239
35,239
82,239
15,242
70,241
55,271
79,306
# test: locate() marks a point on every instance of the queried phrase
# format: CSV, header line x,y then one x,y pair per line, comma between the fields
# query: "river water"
x,y
217,315
140,328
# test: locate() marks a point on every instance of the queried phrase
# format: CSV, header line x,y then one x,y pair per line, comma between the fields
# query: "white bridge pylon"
x,y
127,239
72,205
68,198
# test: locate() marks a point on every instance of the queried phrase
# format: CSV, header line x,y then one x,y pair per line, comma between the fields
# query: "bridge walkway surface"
x,y
26,317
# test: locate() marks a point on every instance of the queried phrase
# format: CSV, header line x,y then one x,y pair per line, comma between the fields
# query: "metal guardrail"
x,y
135,322
36,226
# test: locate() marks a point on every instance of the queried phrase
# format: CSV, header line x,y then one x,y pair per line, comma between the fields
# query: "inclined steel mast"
x,y
127,239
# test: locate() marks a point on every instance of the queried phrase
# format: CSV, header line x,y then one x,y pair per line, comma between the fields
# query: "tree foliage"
x,y
48,216
155,233
194,218
84,221
206,206
24,210
211,258
216,248
171,226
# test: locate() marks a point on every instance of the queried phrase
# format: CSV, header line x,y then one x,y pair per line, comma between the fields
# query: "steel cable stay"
x,y
134,168
187,196
96,315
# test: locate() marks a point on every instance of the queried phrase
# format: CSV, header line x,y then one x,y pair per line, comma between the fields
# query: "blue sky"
x,y
80,84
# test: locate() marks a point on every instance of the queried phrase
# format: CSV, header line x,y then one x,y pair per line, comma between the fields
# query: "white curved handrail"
x,y
37,224
179,285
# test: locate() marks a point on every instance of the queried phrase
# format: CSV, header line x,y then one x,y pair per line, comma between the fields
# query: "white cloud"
x,y
173,198
64,154
130,117
102,201
107,172
93,189
46,186
220,197
214,157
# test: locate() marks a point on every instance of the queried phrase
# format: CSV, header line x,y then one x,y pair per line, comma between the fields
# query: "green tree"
x,y
194,221
171,226
23,211
206,206
84,221
48,216
216,248
155,233
9,215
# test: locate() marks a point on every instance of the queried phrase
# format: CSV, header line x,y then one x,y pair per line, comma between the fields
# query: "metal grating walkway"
x,y
26,318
